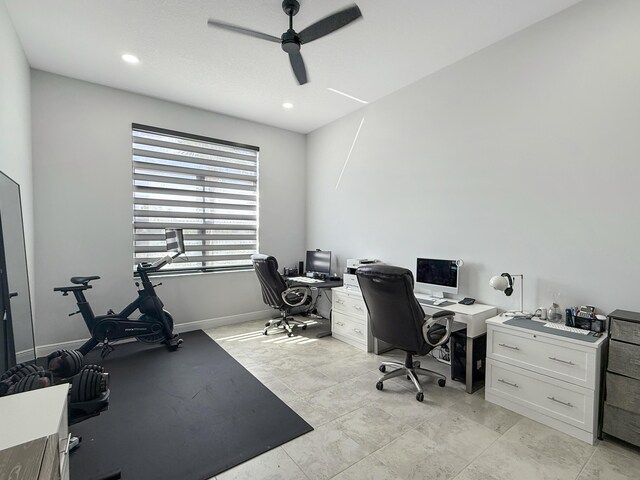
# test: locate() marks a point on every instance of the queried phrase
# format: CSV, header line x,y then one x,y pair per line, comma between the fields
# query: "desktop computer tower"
x,y
459,356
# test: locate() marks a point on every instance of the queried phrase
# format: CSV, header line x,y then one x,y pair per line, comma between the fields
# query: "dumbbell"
x,y
89,384
15,374
65,363
34,381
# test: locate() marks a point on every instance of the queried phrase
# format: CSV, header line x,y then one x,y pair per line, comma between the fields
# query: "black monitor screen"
x,y
437,272
319,261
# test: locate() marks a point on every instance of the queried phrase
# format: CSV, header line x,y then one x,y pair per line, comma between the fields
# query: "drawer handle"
x,y
358,307
65,454
508,383
340,323
68,443
568,362
357,331
509,346
341,302
553,399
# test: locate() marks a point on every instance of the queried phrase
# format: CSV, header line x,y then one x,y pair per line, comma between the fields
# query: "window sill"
x,y
191,274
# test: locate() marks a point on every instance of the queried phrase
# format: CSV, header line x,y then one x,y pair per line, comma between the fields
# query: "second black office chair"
x,y
277,294
397,318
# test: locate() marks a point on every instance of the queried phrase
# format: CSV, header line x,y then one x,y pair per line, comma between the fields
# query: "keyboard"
x,y
564,328
305,280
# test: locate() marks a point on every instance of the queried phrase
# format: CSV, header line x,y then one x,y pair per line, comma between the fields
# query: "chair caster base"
x,y
379,386
442,382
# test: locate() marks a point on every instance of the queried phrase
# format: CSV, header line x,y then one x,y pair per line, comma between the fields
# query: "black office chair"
x,y
277,294
397,318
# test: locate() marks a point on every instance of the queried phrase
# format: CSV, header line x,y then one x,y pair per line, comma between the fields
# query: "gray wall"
x,y
523,158
15,162
15,121
83,203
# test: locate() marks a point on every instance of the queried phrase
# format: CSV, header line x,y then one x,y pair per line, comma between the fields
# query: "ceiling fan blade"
x,y
244,31
330,24
299,70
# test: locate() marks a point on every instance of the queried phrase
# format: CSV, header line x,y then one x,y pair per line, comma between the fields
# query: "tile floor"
x,y
363,433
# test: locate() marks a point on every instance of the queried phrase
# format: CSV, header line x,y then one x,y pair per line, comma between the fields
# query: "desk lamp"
x,y
504,283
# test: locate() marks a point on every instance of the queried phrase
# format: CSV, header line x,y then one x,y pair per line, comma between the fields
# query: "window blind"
x,y
207,187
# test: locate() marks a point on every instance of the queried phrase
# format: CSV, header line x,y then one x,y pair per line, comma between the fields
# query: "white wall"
x,y
15,122
83,202
523,158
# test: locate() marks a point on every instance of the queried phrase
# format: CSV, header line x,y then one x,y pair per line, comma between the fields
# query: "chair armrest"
x,y
431,321
304,291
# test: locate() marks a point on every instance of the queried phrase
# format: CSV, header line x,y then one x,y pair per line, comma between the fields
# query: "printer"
x,y
350,280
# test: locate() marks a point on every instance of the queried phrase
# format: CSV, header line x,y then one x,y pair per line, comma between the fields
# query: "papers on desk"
x,y
305,280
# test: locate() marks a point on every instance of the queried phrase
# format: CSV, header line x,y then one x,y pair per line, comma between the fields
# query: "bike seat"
x,y
84,280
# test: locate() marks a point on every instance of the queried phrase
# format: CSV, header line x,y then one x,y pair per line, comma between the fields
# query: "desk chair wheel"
x,y
267,324
379,385
441,383
289,334
264,332
382,368
420,396
304,327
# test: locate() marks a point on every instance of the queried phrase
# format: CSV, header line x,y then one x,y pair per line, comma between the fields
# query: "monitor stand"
x,y
429,295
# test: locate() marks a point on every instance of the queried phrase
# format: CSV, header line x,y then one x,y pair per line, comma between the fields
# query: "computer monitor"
x,y
437,276
319,261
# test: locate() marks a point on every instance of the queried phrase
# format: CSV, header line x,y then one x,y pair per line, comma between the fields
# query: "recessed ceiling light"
x,y
287,105
347,95
127,57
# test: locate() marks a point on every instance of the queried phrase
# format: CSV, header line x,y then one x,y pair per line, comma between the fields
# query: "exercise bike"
x,y
154,325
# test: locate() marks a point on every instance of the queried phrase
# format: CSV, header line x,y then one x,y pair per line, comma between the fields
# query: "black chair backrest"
x,y
395,314
272,283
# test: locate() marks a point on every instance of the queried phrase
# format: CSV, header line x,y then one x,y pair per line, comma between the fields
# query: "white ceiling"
x,y
185,61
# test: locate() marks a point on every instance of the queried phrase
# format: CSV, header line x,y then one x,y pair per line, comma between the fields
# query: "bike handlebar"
x,y
158,264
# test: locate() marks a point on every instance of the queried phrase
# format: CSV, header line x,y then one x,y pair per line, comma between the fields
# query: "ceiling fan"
x,y
292,40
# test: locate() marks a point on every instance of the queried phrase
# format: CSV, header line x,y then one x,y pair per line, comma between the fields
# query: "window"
x,y
207,187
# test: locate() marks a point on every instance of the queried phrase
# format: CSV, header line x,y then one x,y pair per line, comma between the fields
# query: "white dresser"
x,y
349,318
549,378
350,321
37,421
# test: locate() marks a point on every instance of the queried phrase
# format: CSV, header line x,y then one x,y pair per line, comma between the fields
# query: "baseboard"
x,y
220,321
24,356
44,350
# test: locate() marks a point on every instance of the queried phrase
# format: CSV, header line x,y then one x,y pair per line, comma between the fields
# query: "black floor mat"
x,y
189,414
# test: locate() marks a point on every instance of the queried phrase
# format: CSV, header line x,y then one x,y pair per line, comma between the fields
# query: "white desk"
x,y
350,324
474,317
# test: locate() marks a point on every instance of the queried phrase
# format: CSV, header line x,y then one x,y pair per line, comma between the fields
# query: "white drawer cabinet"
x,y
38,414
350,321
552,379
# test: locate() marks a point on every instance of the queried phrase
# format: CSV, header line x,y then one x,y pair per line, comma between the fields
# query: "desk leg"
x,y
469,365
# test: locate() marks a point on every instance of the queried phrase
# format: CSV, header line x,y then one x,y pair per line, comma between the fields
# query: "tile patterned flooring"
x,y
363,433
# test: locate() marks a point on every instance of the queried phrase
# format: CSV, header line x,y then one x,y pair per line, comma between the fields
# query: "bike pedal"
x,y
106,350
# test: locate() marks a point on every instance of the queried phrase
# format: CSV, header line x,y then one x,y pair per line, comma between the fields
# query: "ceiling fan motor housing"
x,y
290,41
